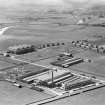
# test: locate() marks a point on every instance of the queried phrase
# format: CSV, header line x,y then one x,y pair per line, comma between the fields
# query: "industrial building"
x,y
46,77
72,62
31,74
66,62
21,49
78,84
59,80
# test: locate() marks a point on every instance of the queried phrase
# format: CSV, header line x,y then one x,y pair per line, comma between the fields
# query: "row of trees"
x,y
50,45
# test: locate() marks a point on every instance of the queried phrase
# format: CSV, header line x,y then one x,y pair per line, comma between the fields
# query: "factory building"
x,y
21,49
47,78
67,62
31,74
77,85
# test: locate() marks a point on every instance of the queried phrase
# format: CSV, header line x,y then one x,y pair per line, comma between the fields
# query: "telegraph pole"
x,y
52,77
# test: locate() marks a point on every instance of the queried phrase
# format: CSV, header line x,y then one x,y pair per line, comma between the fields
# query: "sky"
x,y
51,2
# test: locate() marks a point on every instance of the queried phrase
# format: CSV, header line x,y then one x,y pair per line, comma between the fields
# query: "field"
x,y
11,95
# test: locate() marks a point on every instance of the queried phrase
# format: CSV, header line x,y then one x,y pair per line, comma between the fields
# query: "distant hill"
x,y
96,10
98,7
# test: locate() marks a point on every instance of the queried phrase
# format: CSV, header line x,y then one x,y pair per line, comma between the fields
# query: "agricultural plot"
x,y
16,96
5,65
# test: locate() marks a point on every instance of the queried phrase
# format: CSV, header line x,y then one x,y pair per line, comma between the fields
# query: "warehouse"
x,y
21,49
78,85
67,62
72,62
31,74
47,77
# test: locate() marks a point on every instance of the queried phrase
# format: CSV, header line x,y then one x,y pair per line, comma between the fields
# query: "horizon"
x,y
61,3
